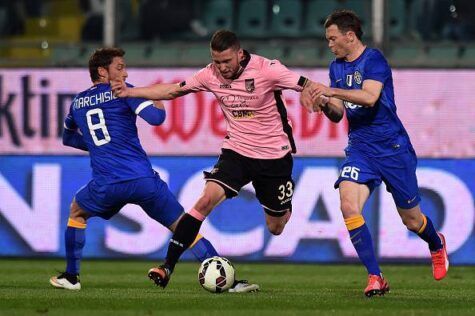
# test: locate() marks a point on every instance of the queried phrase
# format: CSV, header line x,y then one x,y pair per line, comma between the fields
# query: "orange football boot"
x,y
440,261
377,285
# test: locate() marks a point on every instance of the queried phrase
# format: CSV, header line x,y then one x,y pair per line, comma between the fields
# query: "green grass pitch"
x,y
122,288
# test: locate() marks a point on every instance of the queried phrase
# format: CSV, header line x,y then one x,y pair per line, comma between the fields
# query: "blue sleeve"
x,y
137,104
332,76
153,115
377,68
71,137
74,139
145,109
69,122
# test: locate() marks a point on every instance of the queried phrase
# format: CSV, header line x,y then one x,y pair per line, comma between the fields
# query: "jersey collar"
x,y
243,63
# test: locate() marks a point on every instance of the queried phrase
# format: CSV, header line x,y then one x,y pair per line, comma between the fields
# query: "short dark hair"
x,y
345,20
224,39
102,57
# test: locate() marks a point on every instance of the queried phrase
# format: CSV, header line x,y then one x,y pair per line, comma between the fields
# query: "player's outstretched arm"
x,y
159,91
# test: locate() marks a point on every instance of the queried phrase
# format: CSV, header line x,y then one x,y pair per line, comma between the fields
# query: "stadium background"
x,y
44,49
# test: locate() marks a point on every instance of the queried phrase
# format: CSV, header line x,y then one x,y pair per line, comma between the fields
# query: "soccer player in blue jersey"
x,y
105,126
379,148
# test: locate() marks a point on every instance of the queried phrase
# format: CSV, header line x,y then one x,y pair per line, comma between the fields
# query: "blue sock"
x,y
75,239
203,249
428,233
363,243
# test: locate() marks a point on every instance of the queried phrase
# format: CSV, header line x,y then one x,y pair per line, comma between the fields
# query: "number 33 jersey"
x,y
108,126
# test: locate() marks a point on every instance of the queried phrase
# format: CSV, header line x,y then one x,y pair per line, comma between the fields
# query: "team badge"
x,y
250,85
358,77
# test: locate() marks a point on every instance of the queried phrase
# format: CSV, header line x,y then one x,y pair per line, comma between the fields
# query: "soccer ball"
x,y
216,274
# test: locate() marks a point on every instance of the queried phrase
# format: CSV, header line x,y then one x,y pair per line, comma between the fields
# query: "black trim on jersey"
x,y
243,63
302,81
285,122
182,84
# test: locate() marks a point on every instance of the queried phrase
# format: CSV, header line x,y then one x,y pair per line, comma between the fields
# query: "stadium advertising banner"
x,y
35,192
436,106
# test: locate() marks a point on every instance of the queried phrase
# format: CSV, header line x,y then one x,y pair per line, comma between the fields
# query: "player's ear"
x,y
103,72
351,36
240,53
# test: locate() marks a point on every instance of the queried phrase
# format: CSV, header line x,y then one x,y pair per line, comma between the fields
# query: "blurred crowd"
x,y
433,20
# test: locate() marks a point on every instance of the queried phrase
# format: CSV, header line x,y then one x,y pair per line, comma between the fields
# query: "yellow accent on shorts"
x,y
76,224
198,237
424,224
354,222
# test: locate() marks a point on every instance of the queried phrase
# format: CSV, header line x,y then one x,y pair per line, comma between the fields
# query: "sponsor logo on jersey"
x,y
237,101
225,86
350,105
240,114
250,85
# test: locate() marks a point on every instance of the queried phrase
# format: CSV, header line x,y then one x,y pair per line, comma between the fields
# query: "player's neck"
x,y
356,52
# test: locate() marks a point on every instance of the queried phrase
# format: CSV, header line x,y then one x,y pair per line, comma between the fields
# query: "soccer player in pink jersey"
x,y
258,145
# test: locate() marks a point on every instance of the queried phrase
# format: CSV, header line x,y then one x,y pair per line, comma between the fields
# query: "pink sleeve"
x,y
283,78
197,82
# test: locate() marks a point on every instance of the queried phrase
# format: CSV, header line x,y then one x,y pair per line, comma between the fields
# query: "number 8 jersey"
x,y
108,126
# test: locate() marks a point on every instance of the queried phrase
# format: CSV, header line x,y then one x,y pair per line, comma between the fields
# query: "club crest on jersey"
x,y
358,77
250,85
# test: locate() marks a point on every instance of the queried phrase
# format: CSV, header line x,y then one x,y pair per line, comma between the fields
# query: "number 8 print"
x,y
93,127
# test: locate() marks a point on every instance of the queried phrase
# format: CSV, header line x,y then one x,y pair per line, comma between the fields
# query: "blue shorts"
x,y
151,194
398,172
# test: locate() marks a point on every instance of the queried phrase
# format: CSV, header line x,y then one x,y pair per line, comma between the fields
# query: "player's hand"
x,y
320,89
322,102
119,88
312,100
306,99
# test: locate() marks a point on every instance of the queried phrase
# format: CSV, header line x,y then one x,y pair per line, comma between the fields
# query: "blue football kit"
x,y
379,148
122,172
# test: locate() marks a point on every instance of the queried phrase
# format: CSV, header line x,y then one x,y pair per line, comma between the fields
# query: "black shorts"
x,y
271,178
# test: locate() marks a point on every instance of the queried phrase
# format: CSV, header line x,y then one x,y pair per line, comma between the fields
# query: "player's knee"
x,y
276,228
77,213
411,224
349,209
204,203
